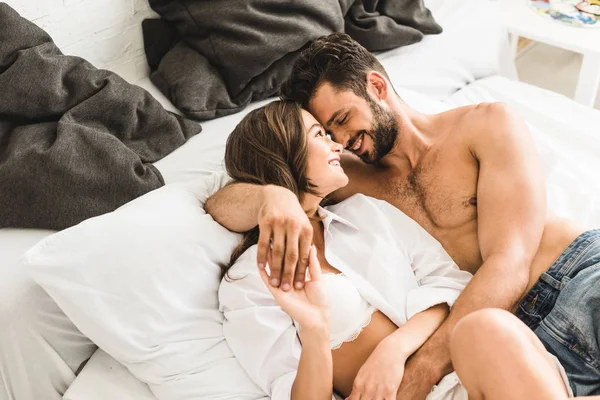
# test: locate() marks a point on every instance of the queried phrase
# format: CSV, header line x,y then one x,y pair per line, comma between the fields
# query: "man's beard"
x,y
383,133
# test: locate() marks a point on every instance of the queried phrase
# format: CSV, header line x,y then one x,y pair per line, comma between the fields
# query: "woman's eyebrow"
x,y
315,126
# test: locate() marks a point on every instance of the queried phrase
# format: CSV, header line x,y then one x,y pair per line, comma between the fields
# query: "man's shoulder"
x,y
492,127
484,120
488,114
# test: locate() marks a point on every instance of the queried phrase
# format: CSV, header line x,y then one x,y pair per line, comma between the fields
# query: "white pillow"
x,y
105,378
473,45
141,282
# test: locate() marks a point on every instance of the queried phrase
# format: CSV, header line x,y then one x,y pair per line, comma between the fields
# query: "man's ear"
x,y
377,85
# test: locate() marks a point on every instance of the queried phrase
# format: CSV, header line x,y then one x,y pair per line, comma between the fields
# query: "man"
x,y
470,176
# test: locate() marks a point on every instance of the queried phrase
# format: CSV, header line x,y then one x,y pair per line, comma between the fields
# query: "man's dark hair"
x,y
335,58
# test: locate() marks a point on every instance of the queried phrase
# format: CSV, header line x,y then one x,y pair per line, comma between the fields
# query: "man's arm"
x,y
282,222
236,206
511,214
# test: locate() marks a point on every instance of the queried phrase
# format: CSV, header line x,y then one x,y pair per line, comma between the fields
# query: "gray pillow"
x,y
230,52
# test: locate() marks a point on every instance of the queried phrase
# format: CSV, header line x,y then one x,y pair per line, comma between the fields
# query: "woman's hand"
x,y
381,375
308,306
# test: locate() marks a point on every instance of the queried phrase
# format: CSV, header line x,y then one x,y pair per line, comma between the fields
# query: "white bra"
x,y
349,311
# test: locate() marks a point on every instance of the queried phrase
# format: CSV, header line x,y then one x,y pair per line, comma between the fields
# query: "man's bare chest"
x,y
440,195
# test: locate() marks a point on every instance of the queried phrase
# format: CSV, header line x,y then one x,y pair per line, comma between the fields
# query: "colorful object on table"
x,y
565,11
590,7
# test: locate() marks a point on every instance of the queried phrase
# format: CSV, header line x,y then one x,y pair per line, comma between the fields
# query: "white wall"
x,y
107,33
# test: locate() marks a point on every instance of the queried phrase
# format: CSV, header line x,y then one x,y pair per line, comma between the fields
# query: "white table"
x,y
522,21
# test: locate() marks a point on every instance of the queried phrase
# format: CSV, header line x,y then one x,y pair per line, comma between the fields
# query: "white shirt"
x,y
394,263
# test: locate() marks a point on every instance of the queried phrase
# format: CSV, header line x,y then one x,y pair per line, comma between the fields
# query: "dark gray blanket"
x,y
75,141
212,57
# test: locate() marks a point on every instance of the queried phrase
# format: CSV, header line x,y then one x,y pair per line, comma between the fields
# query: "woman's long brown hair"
x,y
268,147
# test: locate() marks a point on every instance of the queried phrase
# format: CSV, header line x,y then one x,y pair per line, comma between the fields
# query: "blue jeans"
x,y
563,309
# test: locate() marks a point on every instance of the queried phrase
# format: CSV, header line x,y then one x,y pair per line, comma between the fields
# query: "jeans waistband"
x,y
583,252
573,256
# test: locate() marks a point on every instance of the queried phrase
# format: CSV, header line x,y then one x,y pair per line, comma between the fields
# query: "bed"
x,y
468,63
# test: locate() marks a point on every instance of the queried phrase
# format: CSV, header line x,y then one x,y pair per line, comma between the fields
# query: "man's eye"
x,y
343,120
328,136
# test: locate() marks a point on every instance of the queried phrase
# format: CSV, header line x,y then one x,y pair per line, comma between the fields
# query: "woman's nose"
x,y
335,146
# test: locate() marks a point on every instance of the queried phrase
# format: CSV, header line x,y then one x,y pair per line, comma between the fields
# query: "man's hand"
x,y
381,374
286,229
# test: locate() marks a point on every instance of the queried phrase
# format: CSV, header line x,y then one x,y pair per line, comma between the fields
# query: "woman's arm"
x,y
409,337
439,283
382,372
315,370
264,339
309,306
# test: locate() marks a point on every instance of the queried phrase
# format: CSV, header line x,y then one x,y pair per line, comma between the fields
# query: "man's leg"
x,y
40,349
497,357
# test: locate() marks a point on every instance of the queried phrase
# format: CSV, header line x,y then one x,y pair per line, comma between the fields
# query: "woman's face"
x,y
323,170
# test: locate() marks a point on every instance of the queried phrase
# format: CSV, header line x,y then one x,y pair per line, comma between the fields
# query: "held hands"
x,y
380,376
308,306
283,222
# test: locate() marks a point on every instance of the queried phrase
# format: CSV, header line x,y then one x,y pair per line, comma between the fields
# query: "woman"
x,y
378,281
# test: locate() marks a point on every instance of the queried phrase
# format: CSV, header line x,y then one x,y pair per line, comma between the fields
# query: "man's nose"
x,y
340,139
